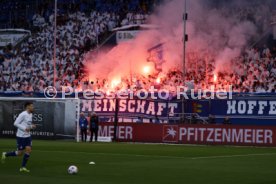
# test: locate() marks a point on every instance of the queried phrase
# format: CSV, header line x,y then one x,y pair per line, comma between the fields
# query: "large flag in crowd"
x,y
156,56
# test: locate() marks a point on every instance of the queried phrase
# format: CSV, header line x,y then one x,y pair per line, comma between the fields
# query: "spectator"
x,y
193,119
211,119
94,126
139,120
226,121
157,119
83,124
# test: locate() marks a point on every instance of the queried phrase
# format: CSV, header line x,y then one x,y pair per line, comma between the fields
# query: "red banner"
x,y
192,134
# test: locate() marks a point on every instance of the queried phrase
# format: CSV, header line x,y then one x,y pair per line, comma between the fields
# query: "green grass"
x,y
121,163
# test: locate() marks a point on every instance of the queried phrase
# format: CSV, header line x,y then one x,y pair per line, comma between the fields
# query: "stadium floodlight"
x,y
185,38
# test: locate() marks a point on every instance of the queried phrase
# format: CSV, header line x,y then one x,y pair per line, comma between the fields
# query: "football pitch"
x,y
122,163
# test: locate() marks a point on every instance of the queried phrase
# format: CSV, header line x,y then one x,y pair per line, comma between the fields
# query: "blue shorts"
x,y
23,142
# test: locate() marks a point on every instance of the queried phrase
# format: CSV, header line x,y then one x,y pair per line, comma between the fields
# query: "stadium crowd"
x,y
254,71
29,66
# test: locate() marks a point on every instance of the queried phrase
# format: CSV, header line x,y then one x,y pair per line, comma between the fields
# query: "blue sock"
x,y
25,159
11,154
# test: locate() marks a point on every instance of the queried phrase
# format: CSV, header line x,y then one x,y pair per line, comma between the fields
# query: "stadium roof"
x,y
136,27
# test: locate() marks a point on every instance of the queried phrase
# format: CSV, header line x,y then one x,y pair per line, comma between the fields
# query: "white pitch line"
x,y
230,156
111,154
158,156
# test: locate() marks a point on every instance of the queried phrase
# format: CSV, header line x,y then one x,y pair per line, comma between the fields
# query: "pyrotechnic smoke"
x,y
210,31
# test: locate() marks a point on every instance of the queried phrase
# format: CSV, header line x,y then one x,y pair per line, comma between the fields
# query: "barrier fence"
x,y
192,134
252,118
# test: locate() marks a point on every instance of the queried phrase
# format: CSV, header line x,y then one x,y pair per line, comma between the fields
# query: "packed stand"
x,y
29,67
254,71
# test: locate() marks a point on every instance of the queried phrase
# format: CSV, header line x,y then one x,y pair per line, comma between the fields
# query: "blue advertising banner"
x,y
242,109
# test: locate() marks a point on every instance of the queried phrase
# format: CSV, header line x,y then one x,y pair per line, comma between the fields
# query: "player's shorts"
x,y
23,142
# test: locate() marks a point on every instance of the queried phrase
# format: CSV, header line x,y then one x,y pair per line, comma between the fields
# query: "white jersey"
x,y
23,121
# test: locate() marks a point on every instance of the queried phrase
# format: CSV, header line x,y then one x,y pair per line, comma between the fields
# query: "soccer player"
x,y
23,136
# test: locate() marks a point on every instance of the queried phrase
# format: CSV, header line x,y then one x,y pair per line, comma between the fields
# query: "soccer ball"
x,y
73,169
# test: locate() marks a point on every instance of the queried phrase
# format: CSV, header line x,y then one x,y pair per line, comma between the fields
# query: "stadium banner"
x,y
12,36
42,117
147,107
250,110
54,120
260,107
242,111
122,36
234,107
192,134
